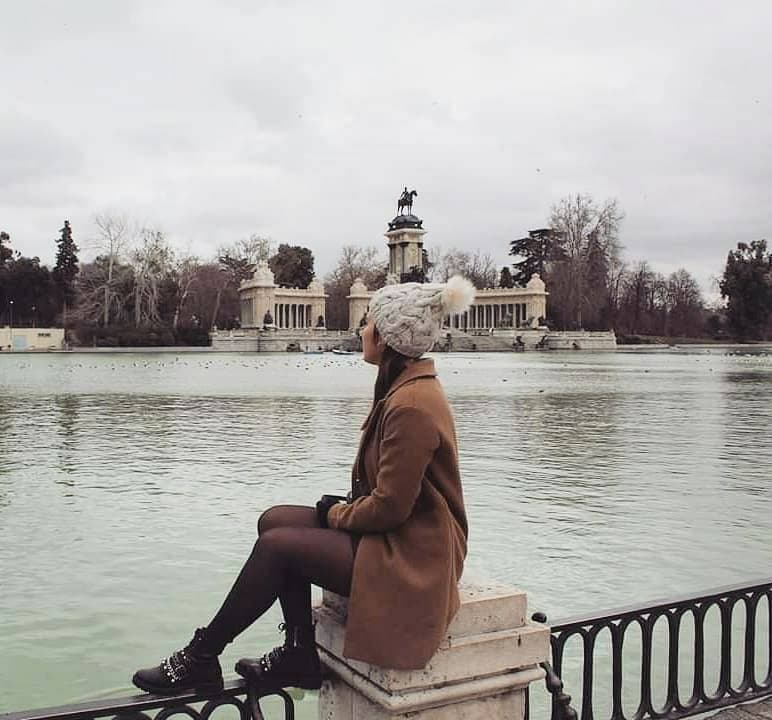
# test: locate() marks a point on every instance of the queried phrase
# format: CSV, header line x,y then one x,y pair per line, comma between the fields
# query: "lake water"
x,y
130,485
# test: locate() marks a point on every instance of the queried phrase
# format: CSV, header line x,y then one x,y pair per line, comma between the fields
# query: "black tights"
x,y
291,553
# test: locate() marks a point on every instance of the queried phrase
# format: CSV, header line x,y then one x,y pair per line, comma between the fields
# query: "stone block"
x,y
489,657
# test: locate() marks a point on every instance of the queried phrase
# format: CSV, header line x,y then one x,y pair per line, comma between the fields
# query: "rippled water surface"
x,y
130,485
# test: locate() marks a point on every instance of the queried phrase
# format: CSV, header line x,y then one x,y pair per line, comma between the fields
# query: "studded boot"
x,y
192,668
294,664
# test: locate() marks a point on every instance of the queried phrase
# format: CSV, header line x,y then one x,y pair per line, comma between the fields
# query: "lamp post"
x,y
34,317
10,324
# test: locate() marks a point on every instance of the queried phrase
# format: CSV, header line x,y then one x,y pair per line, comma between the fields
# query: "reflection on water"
x,y
130,486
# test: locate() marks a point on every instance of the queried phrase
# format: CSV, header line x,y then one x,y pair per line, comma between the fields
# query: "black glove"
x,y
323,507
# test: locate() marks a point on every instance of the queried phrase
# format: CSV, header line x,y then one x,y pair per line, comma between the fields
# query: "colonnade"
x,y
293,316
488,315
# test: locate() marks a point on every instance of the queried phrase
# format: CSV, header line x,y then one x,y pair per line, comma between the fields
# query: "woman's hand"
x,y
323,507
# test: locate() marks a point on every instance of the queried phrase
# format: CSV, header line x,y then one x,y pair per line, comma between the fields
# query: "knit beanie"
x,y
408,316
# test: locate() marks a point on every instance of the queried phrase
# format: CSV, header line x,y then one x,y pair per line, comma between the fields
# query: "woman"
x,y
396,549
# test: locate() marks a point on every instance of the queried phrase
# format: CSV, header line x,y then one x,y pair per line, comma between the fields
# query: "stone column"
x,y
482,669
358,300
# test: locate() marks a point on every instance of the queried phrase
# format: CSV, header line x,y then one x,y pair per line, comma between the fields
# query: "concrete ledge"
x,y
481,669
456,660
485,607
422,698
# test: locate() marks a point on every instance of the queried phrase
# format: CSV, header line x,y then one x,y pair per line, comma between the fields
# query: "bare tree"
x,y
590,234
153,260
255,248
185,275
616,278
638,288
355,262
685,304
479,267
113,237
247,253
434,258
93,304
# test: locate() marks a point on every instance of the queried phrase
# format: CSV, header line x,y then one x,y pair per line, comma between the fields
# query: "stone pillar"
x,y
537,301
482,669
260,288
358,300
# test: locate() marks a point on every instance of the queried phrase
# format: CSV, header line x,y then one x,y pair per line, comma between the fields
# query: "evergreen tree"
x,y
595,297
5,252
535,251
293,266
506,280
66,268
747,282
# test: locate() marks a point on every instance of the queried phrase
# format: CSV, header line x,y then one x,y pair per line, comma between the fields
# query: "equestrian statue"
x,y
406,201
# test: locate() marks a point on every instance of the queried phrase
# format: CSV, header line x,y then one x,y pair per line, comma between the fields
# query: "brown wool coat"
x,y
410,512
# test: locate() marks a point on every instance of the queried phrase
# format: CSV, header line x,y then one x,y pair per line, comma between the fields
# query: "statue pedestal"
x,y
481,670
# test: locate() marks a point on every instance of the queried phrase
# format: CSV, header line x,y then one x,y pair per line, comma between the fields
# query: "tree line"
x,y
139,290
592,287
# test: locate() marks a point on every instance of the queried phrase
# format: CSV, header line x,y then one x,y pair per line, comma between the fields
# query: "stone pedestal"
x,y
481,670
405,238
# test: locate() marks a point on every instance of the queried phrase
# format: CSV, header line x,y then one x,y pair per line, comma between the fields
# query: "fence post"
x,y
482,669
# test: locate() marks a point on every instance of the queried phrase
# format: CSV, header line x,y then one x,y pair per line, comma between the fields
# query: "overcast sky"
x,y
302,121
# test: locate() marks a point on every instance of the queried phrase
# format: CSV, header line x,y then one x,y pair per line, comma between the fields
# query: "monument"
x,y
494,308
279,318
405,239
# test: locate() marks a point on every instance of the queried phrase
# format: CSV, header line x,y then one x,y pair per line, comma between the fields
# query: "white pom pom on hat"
x,y
457,295
408,316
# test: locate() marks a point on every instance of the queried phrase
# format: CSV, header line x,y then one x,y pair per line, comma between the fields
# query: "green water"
x,y
130,485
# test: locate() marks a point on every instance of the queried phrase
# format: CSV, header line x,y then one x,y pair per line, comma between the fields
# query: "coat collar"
x,y
417,369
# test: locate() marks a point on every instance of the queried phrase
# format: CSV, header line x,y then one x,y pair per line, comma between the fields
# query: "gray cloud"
x,y
302,121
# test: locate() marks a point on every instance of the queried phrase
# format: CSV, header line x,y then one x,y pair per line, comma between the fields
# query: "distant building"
x,y
287,308
15,338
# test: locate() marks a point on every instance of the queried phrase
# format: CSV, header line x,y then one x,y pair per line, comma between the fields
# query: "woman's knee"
x,y
265,521
286,516
276,541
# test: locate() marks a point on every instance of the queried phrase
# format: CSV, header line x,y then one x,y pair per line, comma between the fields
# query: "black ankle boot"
x,y
294,664
191,668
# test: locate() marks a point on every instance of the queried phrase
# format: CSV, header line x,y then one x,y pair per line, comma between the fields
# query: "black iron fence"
x,y
244,702
669,660
628,656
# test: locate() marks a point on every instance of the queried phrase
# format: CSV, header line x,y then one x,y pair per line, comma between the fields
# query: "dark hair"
x,y
391,365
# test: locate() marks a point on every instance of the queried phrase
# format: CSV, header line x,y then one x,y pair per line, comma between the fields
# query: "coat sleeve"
x,y
408,443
